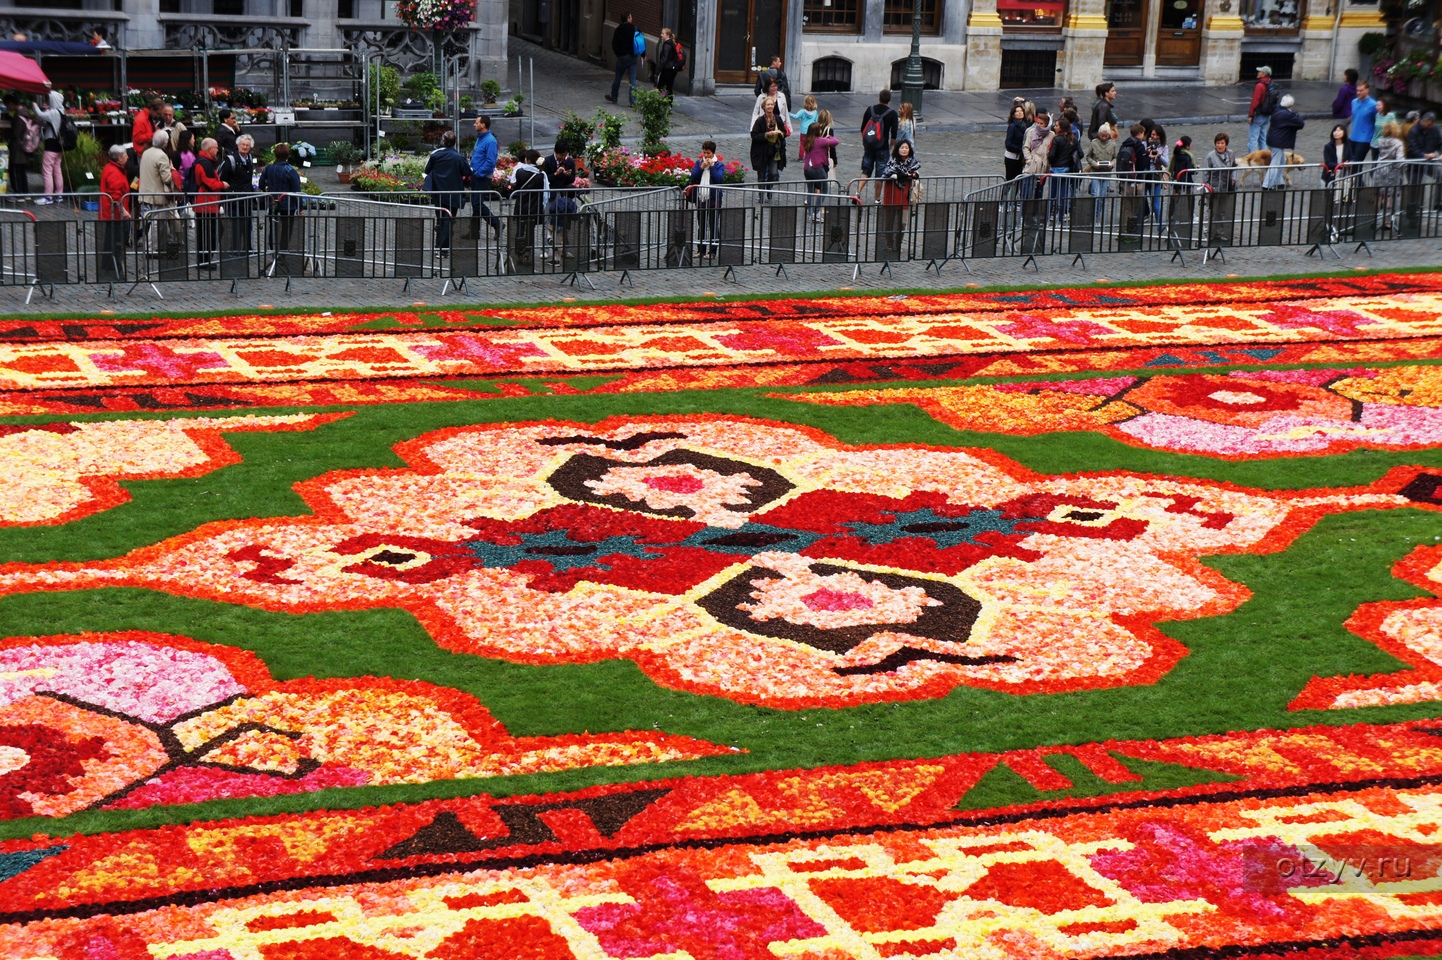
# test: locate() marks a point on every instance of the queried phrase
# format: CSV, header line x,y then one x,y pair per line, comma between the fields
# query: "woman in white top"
x,y
773,92
49,118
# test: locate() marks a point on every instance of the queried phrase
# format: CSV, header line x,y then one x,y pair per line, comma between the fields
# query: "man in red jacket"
x,y
1259,114
209,187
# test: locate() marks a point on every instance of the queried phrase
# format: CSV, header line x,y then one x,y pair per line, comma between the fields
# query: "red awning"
x,y
21,73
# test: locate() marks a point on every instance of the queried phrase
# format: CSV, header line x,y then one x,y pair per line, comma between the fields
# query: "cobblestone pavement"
x,y
685,283
961,132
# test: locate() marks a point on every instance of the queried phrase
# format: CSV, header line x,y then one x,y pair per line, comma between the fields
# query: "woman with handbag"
x,y
768,146
816,151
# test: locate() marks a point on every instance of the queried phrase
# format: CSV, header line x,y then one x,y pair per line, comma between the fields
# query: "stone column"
x,y
1314,60
872,18
983,46
1357,19
953,21
703,53
1149,39
1084,44
1221,48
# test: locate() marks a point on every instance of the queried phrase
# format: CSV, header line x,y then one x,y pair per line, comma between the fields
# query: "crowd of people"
x,y
169,178
1140,159
165,179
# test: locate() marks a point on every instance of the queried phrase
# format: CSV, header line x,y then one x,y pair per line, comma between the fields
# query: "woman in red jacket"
x,y
208,188
114,212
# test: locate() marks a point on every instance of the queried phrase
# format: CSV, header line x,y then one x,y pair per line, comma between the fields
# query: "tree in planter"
x,y
345,154
385,87
575,133
490,90
607,128
654,108
84,159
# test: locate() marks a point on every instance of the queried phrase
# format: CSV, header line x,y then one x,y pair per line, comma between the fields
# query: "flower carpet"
x,y
1003,625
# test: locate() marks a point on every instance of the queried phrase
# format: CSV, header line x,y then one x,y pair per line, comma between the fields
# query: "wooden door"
x,y
1179,33
1126,33
748,34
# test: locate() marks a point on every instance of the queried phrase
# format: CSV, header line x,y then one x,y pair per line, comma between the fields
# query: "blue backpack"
x,y
638,43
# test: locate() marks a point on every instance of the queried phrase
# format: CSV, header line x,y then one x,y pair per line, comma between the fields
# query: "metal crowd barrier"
x,y
338,237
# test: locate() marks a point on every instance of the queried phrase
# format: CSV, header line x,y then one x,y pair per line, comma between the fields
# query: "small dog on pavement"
x,y
1259,160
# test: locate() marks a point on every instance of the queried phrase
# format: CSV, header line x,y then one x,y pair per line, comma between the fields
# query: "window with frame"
x,y
835,16
896,17
1274,16
1044,16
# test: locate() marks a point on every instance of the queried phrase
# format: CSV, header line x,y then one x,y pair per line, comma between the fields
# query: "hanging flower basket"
x,y
436,14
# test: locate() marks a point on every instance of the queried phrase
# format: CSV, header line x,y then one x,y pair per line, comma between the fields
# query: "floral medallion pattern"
x,y
997,625
756,561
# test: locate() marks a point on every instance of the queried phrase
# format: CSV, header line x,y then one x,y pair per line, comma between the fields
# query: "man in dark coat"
x,y
446,176
623,45
1281,139
1424,143
774,72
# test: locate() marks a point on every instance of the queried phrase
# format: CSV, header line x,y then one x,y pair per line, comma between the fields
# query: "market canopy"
x,y
21,73
63,48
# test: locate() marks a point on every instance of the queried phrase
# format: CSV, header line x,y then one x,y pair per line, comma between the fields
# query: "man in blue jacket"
x,y
483,164
446,176
1364,124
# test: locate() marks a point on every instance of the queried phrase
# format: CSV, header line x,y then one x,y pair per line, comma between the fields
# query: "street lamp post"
x,y
913,80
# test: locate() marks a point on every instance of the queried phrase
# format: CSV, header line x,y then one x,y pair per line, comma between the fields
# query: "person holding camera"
x,y
1101,162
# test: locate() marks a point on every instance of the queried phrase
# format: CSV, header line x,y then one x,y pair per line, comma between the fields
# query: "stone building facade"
x,y
860,45
362,25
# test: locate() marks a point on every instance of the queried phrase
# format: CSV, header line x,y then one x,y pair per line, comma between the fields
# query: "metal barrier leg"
x,y
1362,245
625,278
885,270
781,271
460,284
1079,259
576,277
1031,259
730,274
1215,253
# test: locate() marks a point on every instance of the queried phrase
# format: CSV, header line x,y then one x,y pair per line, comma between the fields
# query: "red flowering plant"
x,y
626,169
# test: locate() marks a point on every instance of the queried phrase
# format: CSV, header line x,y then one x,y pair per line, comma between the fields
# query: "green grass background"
x,y
1242,669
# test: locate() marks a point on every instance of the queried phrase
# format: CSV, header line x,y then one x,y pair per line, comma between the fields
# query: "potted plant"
x,y
345,154
490,90
512,107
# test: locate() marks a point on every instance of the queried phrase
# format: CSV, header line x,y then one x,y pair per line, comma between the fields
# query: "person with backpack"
x,y
774,72
23,137
1259,114
629,46
878,130
51,115
670,60
282,182
1364,124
